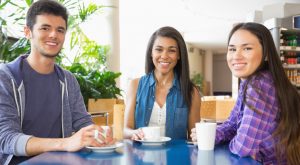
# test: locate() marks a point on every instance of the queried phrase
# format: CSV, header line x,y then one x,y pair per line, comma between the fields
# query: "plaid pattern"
x,y
253,120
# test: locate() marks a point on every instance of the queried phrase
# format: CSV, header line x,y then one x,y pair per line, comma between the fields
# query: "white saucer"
x,y
106,149
161,141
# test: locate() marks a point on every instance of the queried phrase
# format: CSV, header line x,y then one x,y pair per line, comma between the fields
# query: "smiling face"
x,y
47,35
165,54
244,53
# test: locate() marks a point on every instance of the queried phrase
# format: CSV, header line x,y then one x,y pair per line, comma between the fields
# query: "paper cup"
x,y
206,134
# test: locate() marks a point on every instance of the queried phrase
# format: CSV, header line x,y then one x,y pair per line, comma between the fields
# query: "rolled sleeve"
x,y
20,145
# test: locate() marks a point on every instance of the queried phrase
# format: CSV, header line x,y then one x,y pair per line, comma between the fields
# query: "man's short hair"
x,y
50,7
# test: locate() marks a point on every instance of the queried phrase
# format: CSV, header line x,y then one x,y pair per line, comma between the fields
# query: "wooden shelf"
x,y
296,85
290,48
291,66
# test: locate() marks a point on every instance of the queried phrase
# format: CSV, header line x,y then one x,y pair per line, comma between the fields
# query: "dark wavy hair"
x,y
288,130
182,66
40,7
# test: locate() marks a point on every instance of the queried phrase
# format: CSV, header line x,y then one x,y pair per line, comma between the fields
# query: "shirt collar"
x,y
242,85
175,80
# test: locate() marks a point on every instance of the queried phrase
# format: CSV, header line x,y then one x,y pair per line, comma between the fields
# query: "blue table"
x,y
134,153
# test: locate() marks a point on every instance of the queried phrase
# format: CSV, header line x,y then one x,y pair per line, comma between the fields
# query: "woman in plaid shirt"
x,y
264,123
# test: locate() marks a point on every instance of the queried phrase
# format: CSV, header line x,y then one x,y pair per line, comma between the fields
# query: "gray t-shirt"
x,y
43,104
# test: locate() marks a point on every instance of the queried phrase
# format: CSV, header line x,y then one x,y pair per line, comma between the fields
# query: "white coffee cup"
x,y
206,134
103,133
151,133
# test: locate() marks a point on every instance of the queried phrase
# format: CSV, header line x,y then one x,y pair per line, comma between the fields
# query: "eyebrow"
x,y
167,47
47,25
246,44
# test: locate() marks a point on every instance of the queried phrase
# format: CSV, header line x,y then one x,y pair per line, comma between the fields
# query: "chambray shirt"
x,y
253,120
177,110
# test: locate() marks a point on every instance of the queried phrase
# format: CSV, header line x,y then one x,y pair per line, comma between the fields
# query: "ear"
x,y
27,32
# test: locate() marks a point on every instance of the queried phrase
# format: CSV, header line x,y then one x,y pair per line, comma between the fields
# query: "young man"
x,y
40,103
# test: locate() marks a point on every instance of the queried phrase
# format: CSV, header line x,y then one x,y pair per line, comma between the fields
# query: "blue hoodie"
x,y
12,104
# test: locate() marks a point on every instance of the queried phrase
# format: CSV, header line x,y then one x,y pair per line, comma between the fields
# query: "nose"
x,y
164,54
53,34
237,54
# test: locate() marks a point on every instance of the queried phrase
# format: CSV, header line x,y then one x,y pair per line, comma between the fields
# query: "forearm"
x,y
225,132
192,124
84,137
128,132
36,145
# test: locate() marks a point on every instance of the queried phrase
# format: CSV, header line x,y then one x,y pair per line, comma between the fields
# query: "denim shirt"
x,y
177,110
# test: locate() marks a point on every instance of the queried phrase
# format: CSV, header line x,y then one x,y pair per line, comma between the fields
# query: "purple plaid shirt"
x,y
252,122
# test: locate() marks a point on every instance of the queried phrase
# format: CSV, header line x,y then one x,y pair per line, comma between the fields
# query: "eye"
x,y
158,49
172,50
231,49
44,28
247,48
63,31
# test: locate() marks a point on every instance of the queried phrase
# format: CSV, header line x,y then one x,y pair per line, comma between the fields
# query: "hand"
x,y
193,135
138,134
84,137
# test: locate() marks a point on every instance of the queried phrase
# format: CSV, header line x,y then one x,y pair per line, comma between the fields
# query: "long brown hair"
x,y
182,66
288,129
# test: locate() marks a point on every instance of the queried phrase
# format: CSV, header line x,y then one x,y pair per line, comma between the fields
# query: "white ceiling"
x,y
204,23
215,19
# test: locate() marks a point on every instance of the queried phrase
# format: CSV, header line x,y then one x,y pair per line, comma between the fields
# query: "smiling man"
x,y
40,103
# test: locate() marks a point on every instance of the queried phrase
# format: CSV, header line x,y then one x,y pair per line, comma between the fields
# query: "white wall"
x,y
195,60
208,68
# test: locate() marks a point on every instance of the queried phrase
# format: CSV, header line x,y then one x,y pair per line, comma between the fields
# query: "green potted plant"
x,y
197,79
89,62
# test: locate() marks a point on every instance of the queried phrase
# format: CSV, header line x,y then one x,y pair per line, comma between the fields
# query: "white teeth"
x,y
238,64
51,43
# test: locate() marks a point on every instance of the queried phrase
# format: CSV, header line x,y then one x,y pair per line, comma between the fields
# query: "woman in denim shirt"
x,y
165,96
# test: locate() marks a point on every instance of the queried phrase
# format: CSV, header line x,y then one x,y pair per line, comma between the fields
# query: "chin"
x,y
237,75
165,72
50,55
240,76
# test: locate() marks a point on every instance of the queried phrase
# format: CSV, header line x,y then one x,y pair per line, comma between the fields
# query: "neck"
x,y
164,79
41,64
